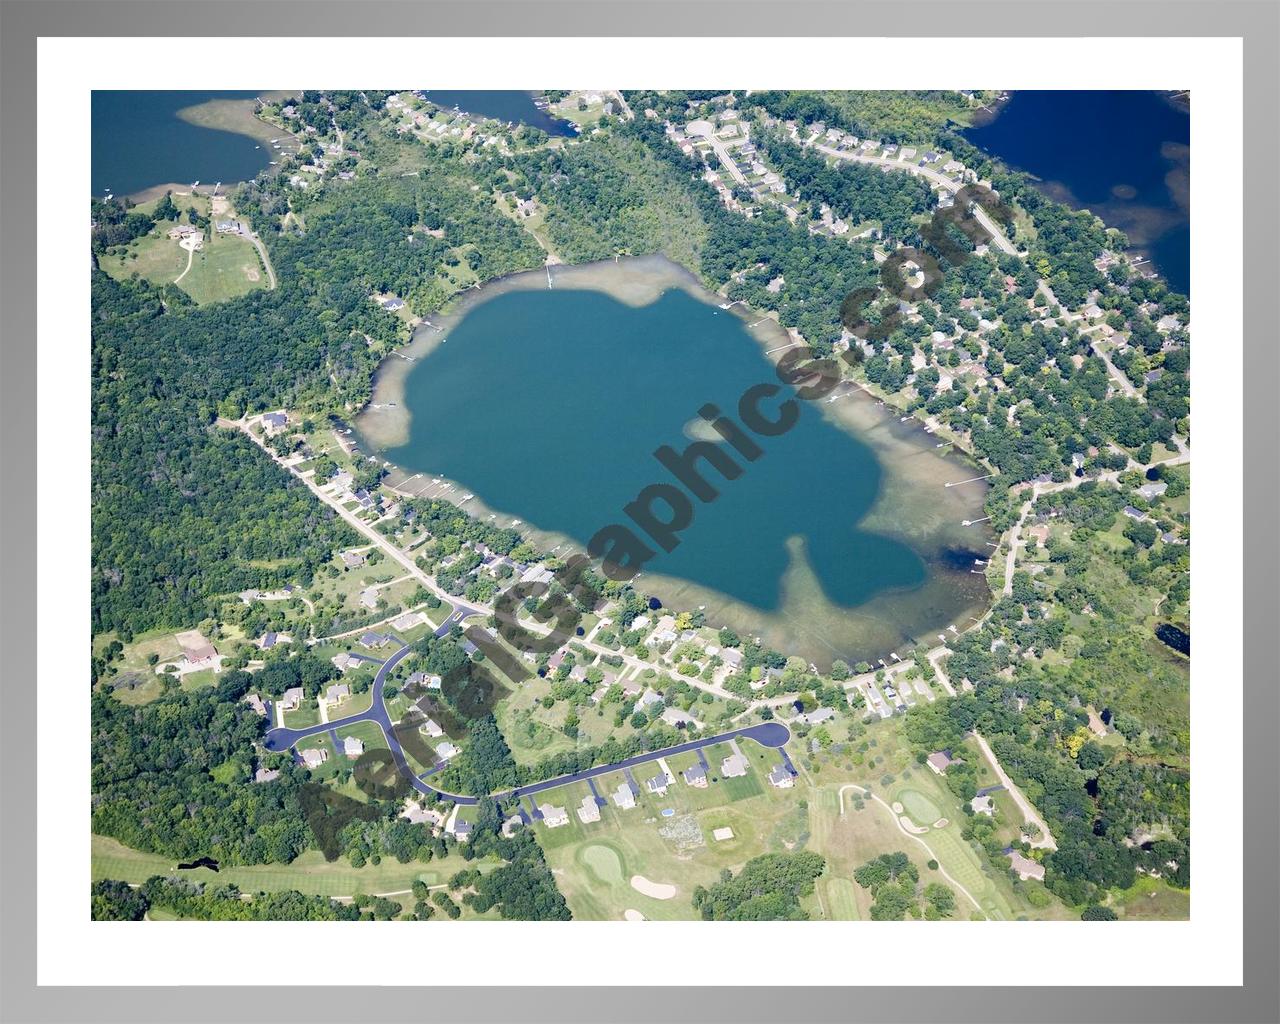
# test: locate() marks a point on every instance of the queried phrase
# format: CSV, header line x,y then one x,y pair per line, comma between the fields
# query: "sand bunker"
x,y
654,890
633,915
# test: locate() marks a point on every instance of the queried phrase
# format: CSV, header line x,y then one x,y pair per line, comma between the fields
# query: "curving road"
x,y
937,177
767,734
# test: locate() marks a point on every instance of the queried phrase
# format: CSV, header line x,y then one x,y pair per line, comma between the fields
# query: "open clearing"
x,y
310,873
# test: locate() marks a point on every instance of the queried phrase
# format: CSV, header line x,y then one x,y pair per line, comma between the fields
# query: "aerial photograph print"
x,y
640,505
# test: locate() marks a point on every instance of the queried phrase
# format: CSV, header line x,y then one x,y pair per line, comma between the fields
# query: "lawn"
x,y
1150,899
228,266
154,257
310,873
888,769
595,862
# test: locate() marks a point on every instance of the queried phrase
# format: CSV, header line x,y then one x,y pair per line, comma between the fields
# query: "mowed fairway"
x,y
310,873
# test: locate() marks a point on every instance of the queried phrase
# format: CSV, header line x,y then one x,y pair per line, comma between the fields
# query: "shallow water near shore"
x,y
548,403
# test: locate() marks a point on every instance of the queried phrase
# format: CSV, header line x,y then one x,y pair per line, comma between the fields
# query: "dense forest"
x,y
193,901
855,192
184,512
768,888
918,116
615,196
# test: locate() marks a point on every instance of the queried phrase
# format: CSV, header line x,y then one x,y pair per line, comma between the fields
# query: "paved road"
x,y
767,734
266,260
1046,841
940,179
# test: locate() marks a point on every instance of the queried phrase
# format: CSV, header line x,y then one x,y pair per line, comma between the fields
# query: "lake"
x,y
549,403
139,142
503,105
1125,155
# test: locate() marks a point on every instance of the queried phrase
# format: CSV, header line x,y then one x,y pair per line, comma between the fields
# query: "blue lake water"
x,y
1125,155
139,141
503,105
550,404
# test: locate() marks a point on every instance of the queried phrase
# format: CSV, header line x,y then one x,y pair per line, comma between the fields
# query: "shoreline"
x,y
1061,193
237,116
804,618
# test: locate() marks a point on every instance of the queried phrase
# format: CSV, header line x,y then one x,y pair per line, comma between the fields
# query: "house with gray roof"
x,y
781,777
695,775
733,766
624,796
314,757
648,699
337,693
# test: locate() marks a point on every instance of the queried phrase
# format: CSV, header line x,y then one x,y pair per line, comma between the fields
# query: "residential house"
x,y
266,775
337,693
352,559
1134,513
292,699
676,718
372,640
1024,866
695,775
939,761
588,810
314,757
268,641
352,747
733,766
344,661
982,805
197,651
648,699
1153,490
817,716
431,728
446,750
274,422
255,702
658,784
781,776
554,817
624,797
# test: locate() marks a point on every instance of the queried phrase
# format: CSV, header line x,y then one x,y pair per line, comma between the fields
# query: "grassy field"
x,y
1150,899
154,257
310,873
594,863
228,266
868,829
